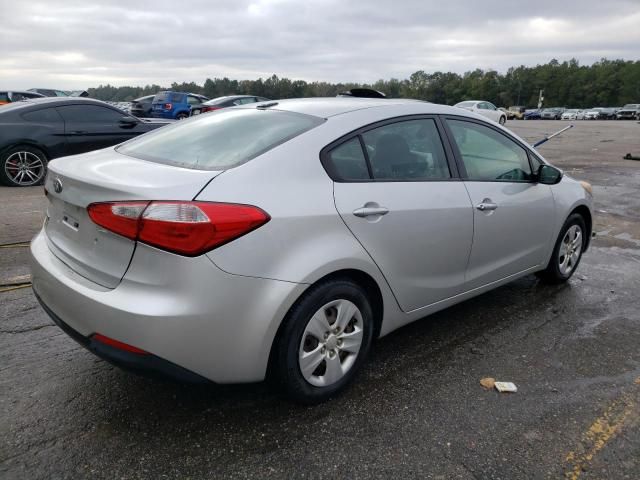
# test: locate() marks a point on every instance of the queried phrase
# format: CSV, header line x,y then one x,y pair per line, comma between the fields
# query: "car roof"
x,y
326,107
54,102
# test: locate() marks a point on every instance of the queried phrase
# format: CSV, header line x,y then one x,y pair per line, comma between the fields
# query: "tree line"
x,y
567,84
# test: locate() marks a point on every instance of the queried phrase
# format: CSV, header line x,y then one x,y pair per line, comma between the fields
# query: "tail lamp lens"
x,y
185,228
168,106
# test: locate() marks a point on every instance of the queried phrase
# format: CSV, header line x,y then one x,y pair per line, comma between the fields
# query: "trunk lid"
x,y
103,176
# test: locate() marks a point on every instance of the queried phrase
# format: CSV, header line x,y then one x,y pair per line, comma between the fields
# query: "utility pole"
x,y
540,99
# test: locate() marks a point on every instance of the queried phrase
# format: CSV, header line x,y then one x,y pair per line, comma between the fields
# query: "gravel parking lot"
x,y
417,411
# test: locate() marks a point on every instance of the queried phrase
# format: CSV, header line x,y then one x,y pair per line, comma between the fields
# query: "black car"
x,y
49,92
9,96
224,102
607,114
36,131
141,107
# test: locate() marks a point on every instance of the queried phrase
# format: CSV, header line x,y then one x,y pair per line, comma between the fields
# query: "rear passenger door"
x,y
512,212
91,127
397,192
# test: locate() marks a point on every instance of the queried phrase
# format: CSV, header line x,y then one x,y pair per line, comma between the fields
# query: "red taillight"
x,y
168,106
118,344
186,228
209,108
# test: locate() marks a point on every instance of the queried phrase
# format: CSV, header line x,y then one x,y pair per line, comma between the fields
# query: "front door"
x,y
512,213
396,193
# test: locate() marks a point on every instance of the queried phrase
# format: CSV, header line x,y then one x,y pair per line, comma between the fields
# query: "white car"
x,y
571,114
592,113
487,109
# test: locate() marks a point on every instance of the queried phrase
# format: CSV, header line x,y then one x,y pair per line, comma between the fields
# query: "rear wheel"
x,y
567,251
324,341
502,120
22,166
182,116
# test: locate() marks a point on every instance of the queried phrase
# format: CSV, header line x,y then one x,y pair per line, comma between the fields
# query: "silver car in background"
x,y
280,239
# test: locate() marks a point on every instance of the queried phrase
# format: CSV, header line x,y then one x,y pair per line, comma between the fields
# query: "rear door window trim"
x,y
326,162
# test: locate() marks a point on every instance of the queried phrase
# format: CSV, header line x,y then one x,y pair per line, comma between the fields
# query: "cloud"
x,y
77,44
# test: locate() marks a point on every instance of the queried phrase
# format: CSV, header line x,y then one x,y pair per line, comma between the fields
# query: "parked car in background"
x,y
175,105
581,114
486,109
516,112
408,207
551,113
532,114
607,114
224,102
570,114
629,112
592,113
49,92
34,132
9,96
141,107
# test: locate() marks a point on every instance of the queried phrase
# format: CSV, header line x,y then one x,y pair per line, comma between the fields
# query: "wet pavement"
x,y
417,410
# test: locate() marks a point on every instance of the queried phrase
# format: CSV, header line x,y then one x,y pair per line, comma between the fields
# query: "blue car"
x,y
175,105
533,114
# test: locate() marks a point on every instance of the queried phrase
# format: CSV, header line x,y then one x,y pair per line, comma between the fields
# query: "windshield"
x,y
219,140
465,104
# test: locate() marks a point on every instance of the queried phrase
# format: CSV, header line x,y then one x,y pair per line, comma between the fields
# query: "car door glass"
x,y
347,162
193,100
407,150
90,114
46,115
488,155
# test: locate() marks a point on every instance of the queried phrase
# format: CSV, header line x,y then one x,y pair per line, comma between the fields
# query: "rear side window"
x,y
89,113
488,155
347,161
178,98
409,150
47,115
219,140
161,97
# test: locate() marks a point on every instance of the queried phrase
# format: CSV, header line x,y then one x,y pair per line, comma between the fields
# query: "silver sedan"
x,y
280,239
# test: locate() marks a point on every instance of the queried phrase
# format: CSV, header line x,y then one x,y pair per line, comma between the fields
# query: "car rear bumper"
x,y
147,365
195,319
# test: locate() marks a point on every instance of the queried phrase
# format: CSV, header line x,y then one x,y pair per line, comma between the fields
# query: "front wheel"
x,y
22,166
567,251
324,341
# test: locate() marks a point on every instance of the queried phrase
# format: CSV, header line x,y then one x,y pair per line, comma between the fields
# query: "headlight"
x,y
587,187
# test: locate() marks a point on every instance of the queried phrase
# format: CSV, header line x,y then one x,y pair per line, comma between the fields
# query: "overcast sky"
x,y
78,44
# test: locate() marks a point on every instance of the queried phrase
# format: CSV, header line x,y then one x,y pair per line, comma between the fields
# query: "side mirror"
x,y
128,121
548,175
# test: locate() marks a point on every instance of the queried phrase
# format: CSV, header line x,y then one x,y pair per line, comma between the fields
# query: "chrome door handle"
x,y
486,205
370,211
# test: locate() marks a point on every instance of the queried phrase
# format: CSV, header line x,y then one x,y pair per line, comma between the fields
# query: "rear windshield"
x,y
465,104
219,140
161,97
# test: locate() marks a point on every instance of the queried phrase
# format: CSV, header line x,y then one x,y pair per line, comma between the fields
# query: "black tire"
x,y
182,116
7,175
552,273
285,368
502,120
